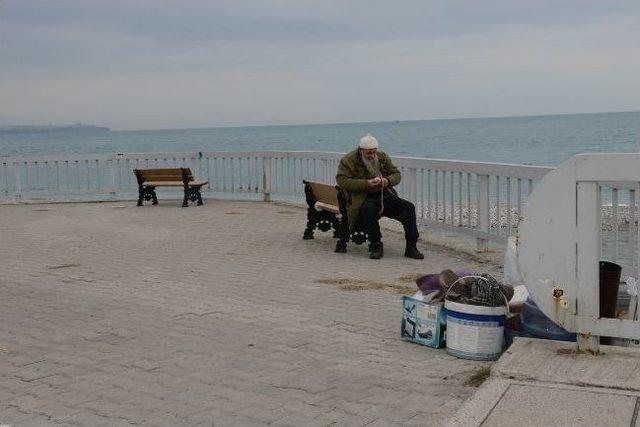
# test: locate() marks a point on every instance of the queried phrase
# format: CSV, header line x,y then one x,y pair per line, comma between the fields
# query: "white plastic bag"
x,y
512,274
419,296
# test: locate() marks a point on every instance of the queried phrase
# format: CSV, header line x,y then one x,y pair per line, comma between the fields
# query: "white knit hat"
x,y
368,142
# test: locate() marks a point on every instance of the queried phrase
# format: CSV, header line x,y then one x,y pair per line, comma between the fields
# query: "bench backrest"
x,y
324,193
163,174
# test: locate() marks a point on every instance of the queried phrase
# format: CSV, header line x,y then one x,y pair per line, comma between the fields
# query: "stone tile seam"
x,y
585,384
634,418
486,416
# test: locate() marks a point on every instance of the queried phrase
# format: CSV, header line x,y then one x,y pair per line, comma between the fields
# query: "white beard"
x,y
373,166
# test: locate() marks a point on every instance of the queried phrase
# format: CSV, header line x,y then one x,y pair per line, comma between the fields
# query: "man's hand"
x,y
377,182
373,182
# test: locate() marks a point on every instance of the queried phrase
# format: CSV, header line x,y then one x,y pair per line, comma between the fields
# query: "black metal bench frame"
x,y
325,220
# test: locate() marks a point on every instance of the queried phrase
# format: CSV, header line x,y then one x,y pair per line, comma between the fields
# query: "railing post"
x,y
483,211
588,260
412,189
194,165
5,178
112,177
325,171
266,180
16,180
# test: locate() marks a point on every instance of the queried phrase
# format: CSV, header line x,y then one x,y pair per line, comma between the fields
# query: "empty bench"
x,y
149,179
327,210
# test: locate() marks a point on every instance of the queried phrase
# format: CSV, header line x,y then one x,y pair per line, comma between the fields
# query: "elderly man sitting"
x,y
368,176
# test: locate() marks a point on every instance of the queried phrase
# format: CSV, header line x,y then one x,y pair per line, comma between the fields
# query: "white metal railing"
x,y
619,224
483,200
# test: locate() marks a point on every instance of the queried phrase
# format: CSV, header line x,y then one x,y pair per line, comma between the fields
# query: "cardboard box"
x,y
423,323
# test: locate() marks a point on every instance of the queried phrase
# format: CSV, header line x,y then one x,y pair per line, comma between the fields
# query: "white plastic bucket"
x,y
475,332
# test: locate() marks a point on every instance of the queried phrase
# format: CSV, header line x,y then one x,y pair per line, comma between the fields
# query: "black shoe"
x,y
412,252
376,251
370,248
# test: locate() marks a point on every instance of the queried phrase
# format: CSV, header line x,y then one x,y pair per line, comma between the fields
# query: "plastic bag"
x,y
512,273
418,296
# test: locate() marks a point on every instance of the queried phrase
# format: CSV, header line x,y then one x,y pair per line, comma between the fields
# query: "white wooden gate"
x,y
560,243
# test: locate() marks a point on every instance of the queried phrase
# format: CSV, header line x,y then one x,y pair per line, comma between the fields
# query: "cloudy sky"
x,y
149,64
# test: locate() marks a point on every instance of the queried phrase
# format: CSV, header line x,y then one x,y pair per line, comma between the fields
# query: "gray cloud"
x,y
167,63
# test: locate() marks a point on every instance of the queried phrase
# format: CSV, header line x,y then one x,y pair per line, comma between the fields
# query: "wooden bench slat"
x,y
326,207
162,170
174,183
162,178
327,194
171,183
152,177
166,172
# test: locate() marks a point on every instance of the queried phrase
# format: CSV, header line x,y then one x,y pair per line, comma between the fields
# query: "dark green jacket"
x,y
352,176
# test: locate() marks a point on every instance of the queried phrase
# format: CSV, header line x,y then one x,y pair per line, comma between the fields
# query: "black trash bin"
x,y
609,282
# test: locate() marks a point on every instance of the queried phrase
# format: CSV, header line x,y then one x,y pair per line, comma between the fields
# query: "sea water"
x,y
535,140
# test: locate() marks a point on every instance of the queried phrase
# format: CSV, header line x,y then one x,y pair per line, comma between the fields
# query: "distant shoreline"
x,y
51,128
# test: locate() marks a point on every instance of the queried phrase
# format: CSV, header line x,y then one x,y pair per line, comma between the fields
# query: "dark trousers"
x,y
394,207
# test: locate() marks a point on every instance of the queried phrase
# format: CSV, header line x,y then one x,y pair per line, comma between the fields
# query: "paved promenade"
x,y
220,314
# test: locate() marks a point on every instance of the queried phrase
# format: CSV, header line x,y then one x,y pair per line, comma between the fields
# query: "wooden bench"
x,y
327,209
149,179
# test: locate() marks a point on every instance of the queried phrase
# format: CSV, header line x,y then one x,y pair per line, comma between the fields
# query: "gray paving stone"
x,y
12,415
541,382
88,419
171,316
57,411
555,361
25,402
522,403
42,421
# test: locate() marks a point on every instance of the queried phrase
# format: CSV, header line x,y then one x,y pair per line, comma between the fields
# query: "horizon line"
x,y
371,122
331,123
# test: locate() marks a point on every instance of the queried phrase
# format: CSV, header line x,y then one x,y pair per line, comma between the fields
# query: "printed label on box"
x,y
422,323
